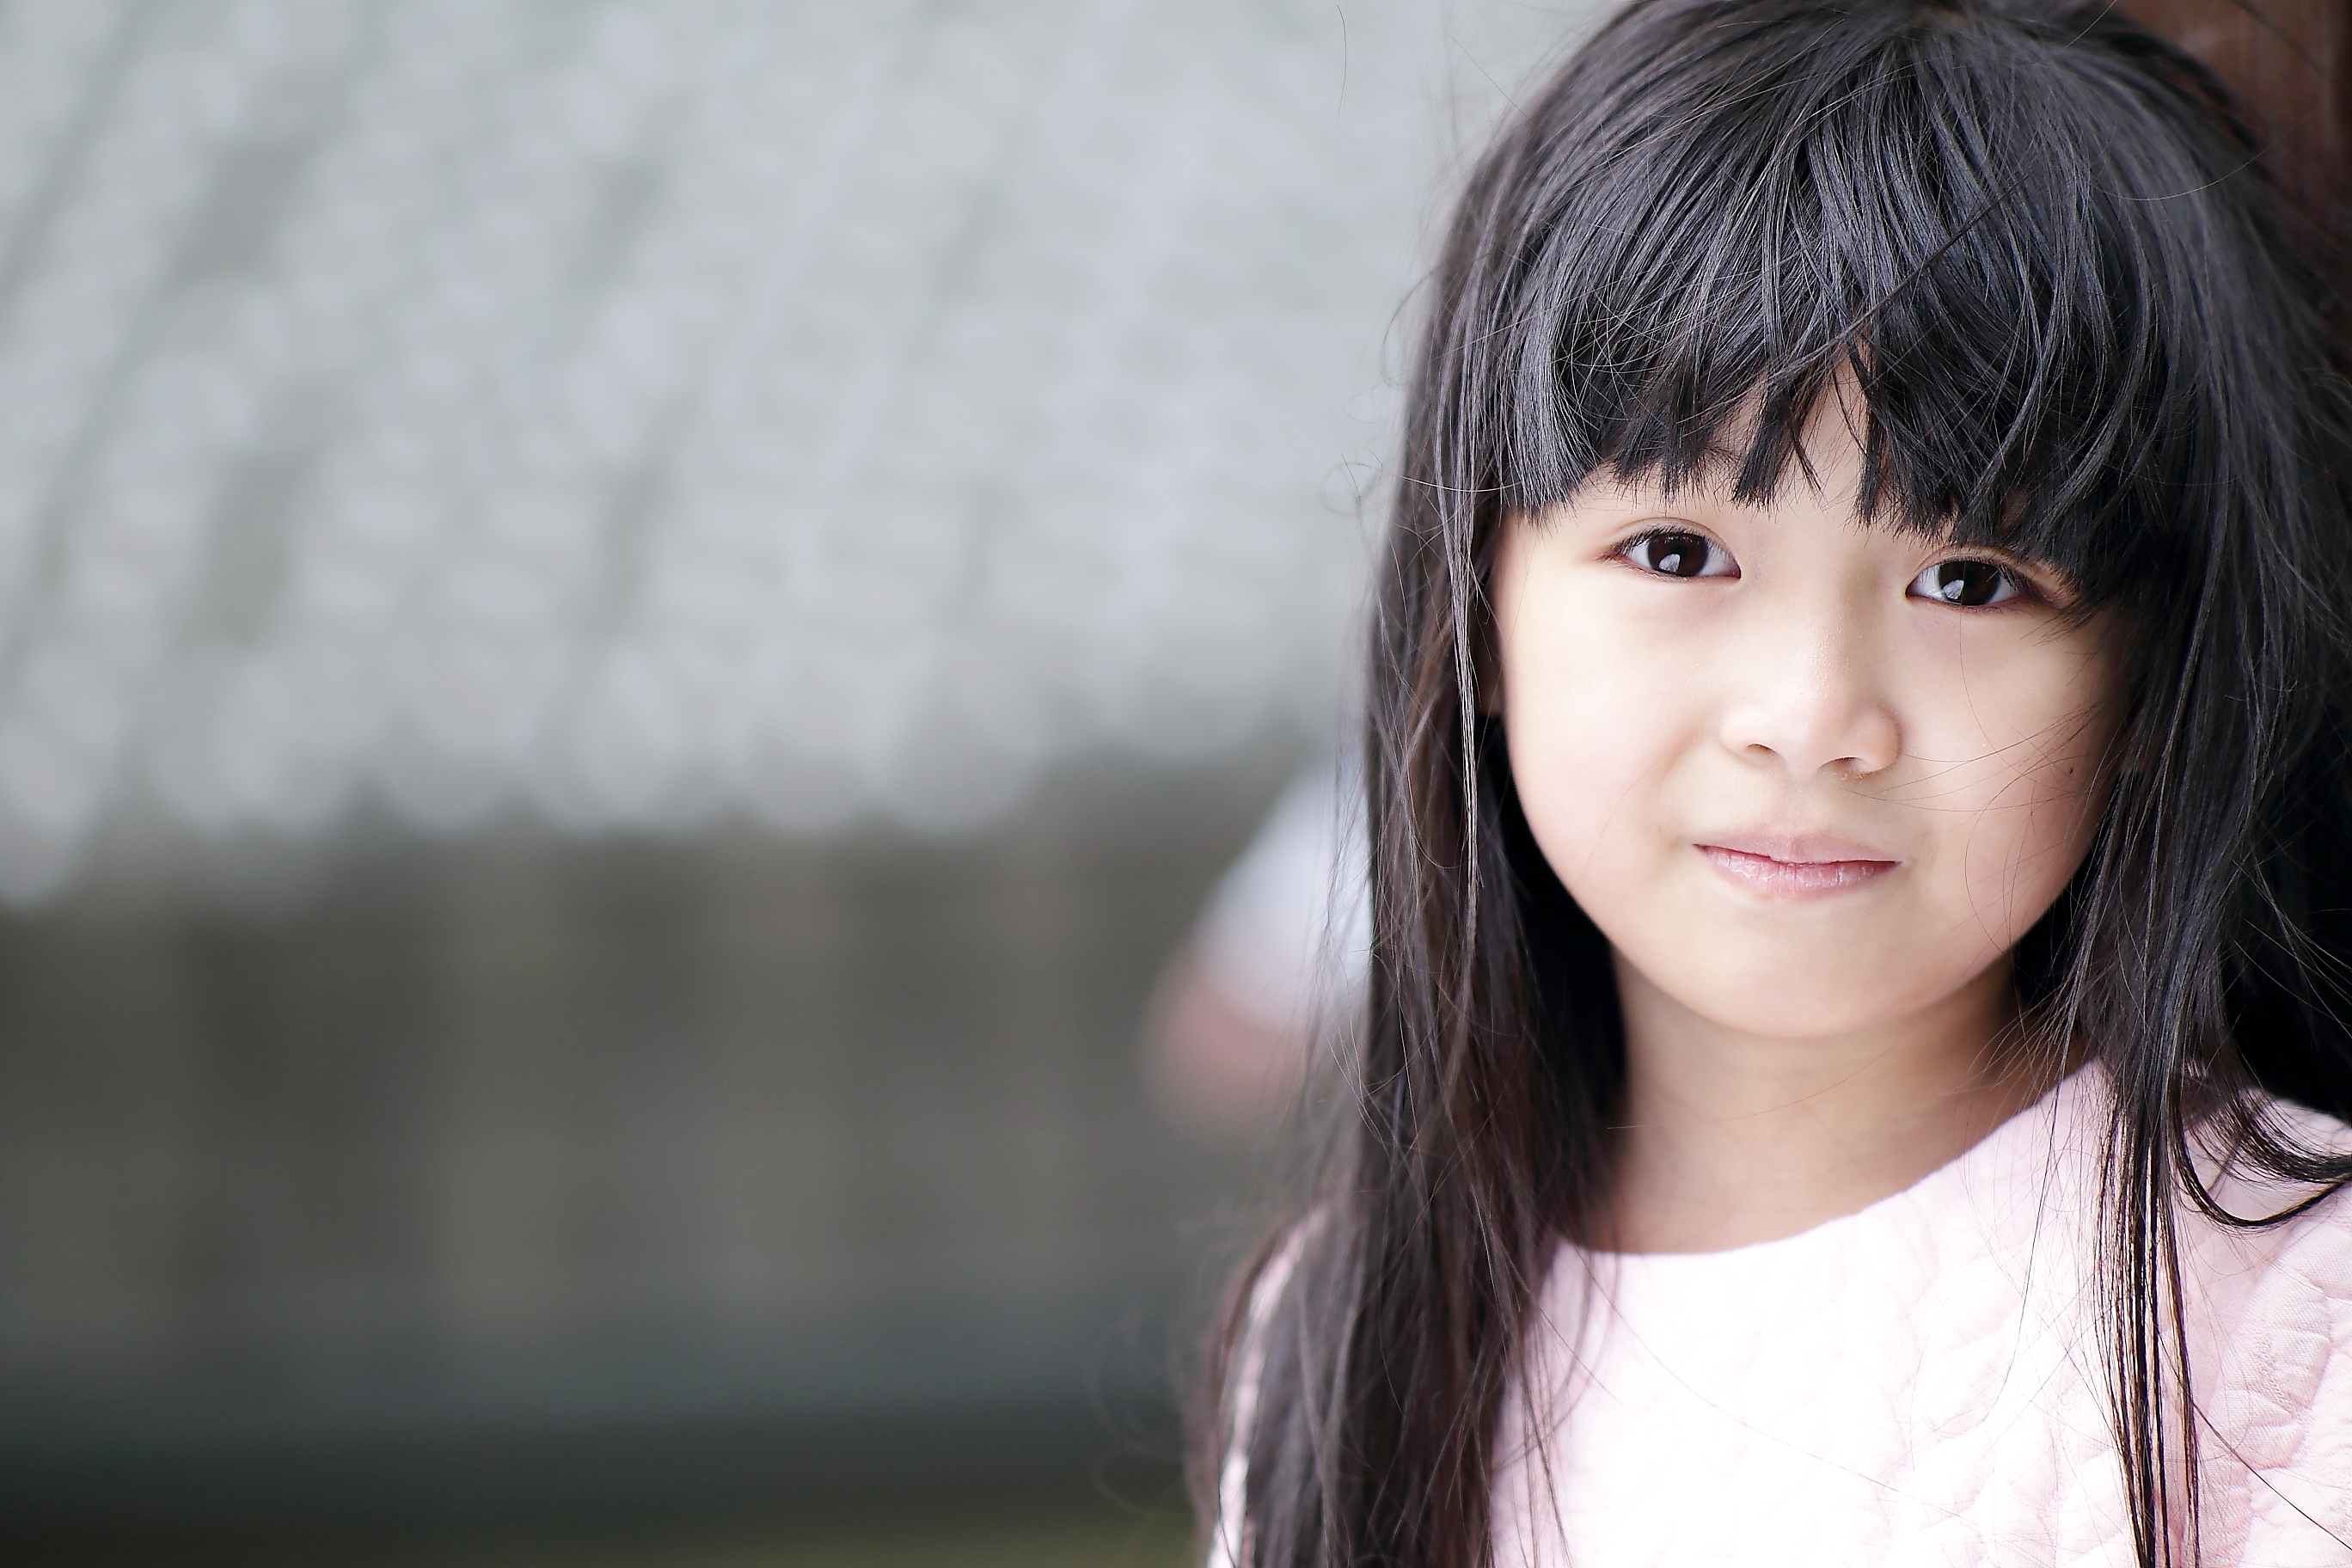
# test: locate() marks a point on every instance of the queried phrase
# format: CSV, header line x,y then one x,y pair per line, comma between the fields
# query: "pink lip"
x,y
1797,867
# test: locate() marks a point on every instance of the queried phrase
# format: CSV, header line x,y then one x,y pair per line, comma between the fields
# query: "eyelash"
x,y
2008,583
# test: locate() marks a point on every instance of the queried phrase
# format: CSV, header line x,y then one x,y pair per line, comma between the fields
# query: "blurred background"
x,y
630,634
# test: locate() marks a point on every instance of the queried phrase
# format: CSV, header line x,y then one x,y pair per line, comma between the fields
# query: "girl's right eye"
x,y
1675,552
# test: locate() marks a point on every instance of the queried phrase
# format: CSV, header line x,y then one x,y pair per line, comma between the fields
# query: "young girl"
x,y
1857,781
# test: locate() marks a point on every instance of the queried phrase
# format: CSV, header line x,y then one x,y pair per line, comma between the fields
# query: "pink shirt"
x,y
1921,1383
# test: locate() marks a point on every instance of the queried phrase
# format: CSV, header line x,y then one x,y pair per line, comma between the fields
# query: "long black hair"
x,y
2043,246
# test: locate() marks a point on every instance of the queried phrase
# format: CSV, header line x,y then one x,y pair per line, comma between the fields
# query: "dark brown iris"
x,y
1676,554
1968,582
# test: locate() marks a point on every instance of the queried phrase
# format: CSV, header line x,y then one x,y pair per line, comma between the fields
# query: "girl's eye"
x,y
1968,583
1673,553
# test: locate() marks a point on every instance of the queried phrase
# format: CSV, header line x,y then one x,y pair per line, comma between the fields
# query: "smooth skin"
x,y
1813,780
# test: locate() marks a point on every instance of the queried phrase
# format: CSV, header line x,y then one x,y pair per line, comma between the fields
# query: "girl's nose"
x,y
1813,700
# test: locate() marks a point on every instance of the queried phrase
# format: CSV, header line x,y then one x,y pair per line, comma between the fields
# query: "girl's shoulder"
x,y
2269,1309
1268,1280
2287,1260
2279,1218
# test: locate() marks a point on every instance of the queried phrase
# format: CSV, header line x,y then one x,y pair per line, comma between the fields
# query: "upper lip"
x,y
1796,848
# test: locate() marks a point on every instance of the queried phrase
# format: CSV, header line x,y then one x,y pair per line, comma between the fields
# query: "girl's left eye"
x,y
1968,583
1675,553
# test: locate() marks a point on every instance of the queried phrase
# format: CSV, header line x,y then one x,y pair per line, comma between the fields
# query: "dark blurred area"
x,y
630,633
447,1188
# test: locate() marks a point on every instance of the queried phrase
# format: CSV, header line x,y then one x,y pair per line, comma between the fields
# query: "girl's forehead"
x,y
1819,458
1827,456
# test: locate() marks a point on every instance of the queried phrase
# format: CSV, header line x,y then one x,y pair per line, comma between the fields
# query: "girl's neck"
x,y
1731,1138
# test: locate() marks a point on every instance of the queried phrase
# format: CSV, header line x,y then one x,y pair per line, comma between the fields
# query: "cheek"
x,y
2026,810
1594,729
2007,740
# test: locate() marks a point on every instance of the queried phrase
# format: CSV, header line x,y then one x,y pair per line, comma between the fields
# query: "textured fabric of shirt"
x,y
1923,1382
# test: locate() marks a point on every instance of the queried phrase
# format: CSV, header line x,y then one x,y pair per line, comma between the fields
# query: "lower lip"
x,y
1795,878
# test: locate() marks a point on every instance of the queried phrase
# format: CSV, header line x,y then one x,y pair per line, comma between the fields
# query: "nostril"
x,y
1845,734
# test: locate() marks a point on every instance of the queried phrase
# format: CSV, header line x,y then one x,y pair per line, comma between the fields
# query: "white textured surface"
x,y
1919,1383
636,412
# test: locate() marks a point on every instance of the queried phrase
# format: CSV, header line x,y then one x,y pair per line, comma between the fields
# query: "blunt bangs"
x,y
2031,258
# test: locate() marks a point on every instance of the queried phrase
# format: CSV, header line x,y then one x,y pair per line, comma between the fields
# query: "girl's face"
x,y
1807,777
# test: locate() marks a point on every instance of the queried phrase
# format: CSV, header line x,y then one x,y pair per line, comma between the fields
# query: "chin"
x,y
1796,1023
1802,1001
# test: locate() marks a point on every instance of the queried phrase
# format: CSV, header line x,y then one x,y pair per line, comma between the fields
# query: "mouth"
x,y
1815,868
